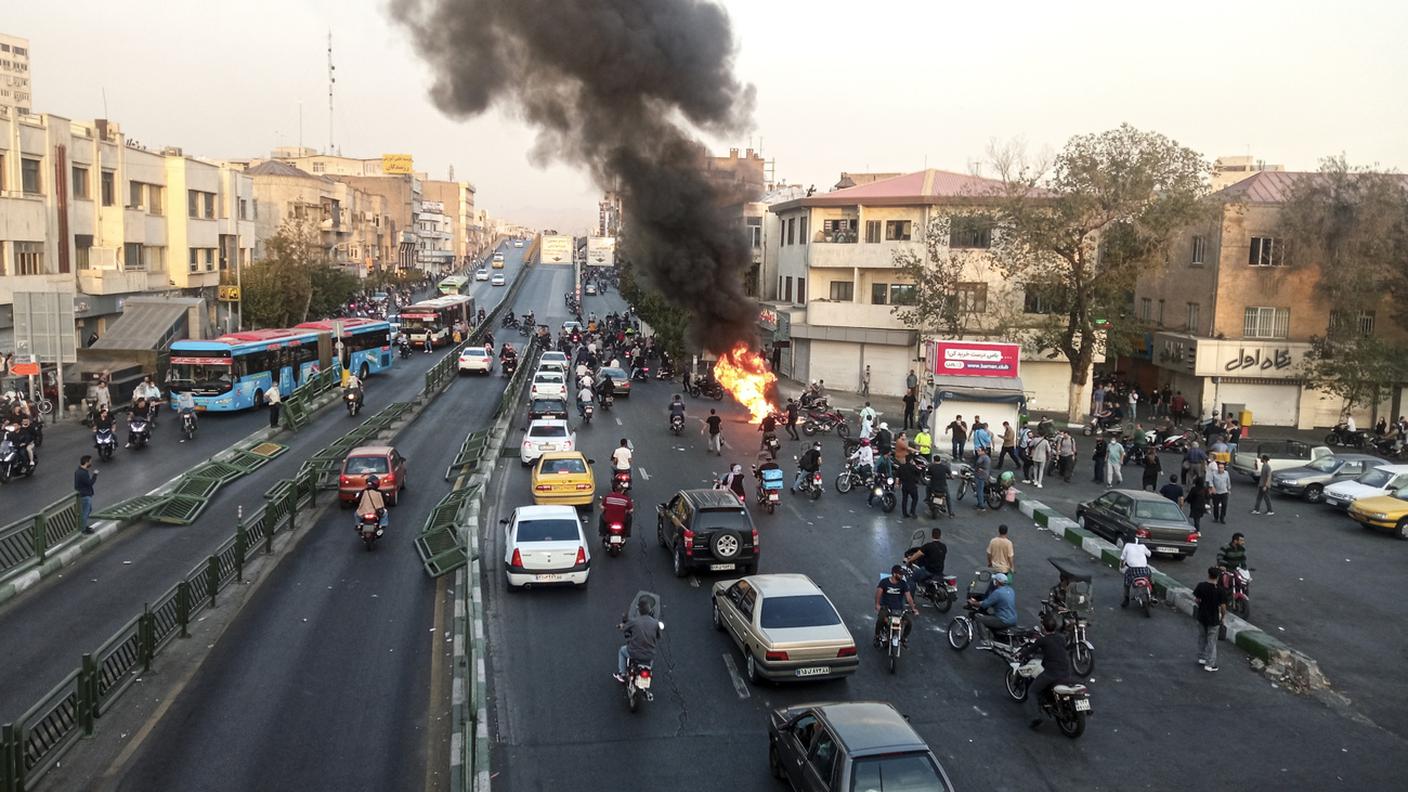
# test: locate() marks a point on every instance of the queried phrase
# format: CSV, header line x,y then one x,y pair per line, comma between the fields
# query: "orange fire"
x,y
745,375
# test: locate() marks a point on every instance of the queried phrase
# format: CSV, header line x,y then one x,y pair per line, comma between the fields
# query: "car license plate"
x,y
549,446
1168,550
813,671
546,578
720,567
1082,705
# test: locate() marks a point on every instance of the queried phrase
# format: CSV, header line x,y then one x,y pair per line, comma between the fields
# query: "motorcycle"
x,y
105,442
851,477
188,425
508,366
369,528
587,411
621,481
825,421
940,592
525,329
884,489
1341,436
771,444
14,462
1141,593
711,389
615,538
641,373
509,321
1073,624
769,487
353,399
961,629
937,502
1068,705
811,485
1099,426
676,423
607,401
1236,586
1177,443
406,351
638,675
665,372
139,431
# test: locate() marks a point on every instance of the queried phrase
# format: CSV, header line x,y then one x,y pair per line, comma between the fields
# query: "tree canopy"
x,y
295,280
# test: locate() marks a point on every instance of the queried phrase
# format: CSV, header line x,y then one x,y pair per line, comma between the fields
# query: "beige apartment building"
x,y
468,238
1233,315
836,286
351,223
85,211
16,90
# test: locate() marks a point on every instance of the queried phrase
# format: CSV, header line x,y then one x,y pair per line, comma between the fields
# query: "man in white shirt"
x,y
1134,562
621,457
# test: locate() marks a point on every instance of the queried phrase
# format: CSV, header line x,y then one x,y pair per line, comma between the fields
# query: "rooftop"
x,y
911,189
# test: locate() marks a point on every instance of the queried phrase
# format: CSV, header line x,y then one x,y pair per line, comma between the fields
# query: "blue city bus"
x,y
366,342
234,371
455,284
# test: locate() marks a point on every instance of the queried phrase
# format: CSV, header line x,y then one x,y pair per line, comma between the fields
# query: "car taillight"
x,y
775,656
581,555
755,540
517,559
644,673
688,537
1193,537
527,444
584,486
543,488
389,478
846,651
1142,533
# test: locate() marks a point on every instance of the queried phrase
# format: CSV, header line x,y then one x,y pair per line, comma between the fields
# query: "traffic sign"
x,y
229,294
30,369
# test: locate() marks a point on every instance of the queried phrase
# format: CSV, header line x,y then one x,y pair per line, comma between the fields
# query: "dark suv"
x,y
707,529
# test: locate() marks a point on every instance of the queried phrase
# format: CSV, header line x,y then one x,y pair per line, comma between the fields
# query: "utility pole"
x,y
332,80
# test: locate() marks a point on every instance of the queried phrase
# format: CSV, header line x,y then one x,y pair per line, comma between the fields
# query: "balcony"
x,y
114,281
865,255
848,314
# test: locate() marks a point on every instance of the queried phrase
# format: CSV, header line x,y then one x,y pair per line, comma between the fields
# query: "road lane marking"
x,y
694,581
739,685
979,711
618,422
645,476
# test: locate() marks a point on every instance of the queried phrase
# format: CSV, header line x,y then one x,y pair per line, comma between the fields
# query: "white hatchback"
x,y
548,385
546,435
476,358
545,546
1383,480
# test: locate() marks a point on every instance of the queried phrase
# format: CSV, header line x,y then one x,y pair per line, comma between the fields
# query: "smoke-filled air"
x,y
616,86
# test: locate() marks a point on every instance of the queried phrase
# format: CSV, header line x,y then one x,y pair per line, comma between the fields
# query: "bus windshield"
x,y
203,373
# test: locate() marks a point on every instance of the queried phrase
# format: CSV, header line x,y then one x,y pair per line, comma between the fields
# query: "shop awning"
x,y
999,390
149,324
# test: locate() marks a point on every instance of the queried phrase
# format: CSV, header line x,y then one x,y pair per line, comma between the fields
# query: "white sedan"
x,y
560,366
1382,480
545,545
497,280
476,358
546,435
481,274
553,356
590,289
548,385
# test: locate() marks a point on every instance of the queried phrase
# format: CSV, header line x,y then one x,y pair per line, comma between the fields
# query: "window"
x,y
842,291
972,297
791,230
80,182
136,195
822,758
132,256
2,172
201,205
192,203
244,209
155,195
1193,320
837,231
82,247
872,230
318,167
202,258
903,294
879,293
1344,323
1267,252
209,205
29,177
802,229
1200,246
787,289
1146,309
897,230
1263,322
1161,313
109,188
1042,299
29,258
779,286
153,258
801,290
970,232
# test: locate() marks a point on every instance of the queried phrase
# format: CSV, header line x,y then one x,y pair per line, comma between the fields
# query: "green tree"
x,y
1087,228
939,306
669,323
295,280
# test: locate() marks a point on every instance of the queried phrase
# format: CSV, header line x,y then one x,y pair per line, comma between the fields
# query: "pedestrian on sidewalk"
x,y
958,432
792,419
1221,483
714,426
925,409
83,479
275,402
865,381
1211,609
909,409
911,383
1097,399
1066,455
1152,468
982,438
1263,487
1001,553
1133,404
982,468
1040,452
1114,462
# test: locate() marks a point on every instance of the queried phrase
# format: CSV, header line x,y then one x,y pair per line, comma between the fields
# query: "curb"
x,y
1280,659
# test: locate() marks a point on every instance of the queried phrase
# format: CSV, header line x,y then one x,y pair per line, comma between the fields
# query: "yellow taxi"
x,y
1385,512
498,261
563,478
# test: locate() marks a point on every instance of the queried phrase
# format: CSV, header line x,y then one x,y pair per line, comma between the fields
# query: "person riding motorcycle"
x,y
1002,601
146,389
616,507
884,439
765,462
1055,664
768,427
372,501
894,592
353,387
186,404
932,554
809,463
863,458
1134,562
139,411
23,439
103,422
642,633
1233,554
584,397
622,457
733,480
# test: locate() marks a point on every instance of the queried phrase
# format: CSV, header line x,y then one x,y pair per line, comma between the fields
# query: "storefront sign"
x,y
767,318
1245,362
974,358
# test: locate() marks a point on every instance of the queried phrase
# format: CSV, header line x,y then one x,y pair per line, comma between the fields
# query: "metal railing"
x,y
30,538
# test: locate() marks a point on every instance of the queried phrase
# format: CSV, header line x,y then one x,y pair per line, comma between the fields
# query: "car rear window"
x,y
548,406
357,466
613,373
548,376
564,466
547,430
548,531
802,610
896,773
476,352
731,519
1158,510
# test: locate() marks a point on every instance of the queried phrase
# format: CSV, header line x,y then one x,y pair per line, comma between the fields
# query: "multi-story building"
x,y
350,223
837,287
83,211
1227,171
1233,314
457,200
16,92
389,176
608,214
434,228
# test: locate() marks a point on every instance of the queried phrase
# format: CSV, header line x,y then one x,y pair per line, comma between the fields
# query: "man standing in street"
x,y
83,479
272,398
1039,453
1066,455
1133,404
1001,553
910,476
958,431
1221,483
714,426
865,381
1009,446
1210,612
909,409
911,383
982,468
1263,487
792,419
1114,462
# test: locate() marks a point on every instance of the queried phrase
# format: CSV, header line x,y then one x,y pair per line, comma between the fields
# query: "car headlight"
x,y
1379,516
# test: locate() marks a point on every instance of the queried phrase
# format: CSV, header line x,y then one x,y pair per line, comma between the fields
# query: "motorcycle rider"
x,y
677,408
884,439
765,462
1234,553
893,592
863,458
353,387
1002,601
616,507
939,474
23,440
146,389
139,411
1134,562
621,458
642,633
768,427
103,422
371,500
584,397
809,463
1055,664
932,553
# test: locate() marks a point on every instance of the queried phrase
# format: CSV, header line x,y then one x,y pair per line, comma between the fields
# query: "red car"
x,y
384,462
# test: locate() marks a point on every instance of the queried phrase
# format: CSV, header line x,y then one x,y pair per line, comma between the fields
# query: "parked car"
x,y
475,358
860,745
1120,515
565,478
707,529
548,383
481,274
547,408
1285,454
620,380
1380,481
545,545
544,436
1309,481
786,627
1384,512
384,462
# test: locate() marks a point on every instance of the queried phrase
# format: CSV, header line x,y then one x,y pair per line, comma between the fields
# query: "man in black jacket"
x,y
1055,665
939,475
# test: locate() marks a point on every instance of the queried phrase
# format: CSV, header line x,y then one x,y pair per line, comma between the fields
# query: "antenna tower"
x,y
332,80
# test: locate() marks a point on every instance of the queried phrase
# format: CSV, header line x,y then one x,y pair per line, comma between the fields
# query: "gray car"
x,y
1309,481
1123,515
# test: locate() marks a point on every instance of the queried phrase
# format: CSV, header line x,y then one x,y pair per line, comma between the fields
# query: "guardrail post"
x,y
40,537
146,637
292,503
11,759
212,578
271,524
183,606
87,695
241,543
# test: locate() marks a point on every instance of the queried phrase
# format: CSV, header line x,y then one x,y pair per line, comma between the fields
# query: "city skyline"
x,y
857,99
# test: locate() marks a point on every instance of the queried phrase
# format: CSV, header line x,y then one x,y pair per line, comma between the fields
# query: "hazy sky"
x,y
882,85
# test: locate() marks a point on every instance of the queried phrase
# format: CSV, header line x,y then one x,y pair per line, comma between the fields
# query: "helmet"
x,y
884,425
373,482
999,577
865,441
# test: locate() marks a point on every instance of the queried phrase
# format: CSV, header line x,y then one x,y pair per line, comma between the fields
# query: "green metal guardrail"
x,y
30,537
184,502
297,406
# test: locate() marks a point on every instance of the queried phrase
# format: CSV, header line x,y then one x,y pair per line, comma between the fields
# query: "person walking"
x,y
83,479
1040,452
714,426
1221,483
1211,609
1001,553
865,381
792,419
1114,462
1152,468
1066,455
1263,487
1009,446
1198,501
1097,460
958,432
275,402
909,409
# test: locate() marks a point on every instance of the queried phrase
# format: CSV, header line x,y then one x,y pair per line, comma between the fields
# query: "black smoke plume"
x,y
615,85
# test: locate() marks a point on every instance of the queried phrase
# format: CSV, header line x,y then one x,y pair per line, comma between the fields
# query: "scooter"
x,y
1141,593
676,423
1068,705
639,675
188,425
769,492
615,538
369,528
621,481
140,432
105,442
353,399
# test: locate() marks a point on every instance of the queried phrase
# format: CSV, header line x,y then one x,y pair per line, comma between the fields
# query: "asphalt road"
x,y
45,631
1160,722
323,681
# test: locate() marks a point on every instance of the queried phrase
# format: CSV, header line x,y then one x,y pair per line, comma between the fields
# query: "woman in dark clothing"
x,y
1152,468
1198,501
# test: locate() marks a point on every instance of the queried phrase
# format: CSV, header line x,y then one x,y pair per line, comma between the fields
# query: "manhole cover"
x,y
269,450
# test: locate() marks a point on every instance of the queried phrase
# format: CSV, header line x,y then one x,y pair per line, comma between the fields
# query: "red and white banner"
x,y
974,358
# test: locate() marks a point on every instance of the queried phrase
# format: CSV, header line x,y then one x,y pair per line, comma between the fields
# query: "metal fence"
x,y
29,538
